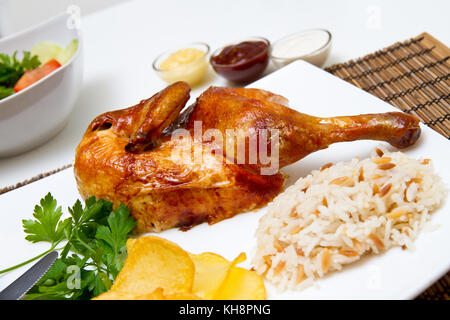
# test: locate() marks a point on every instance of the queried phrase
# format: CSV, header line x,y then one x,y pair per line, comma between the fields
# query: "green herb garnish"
x,y
92,244
5,92
11,69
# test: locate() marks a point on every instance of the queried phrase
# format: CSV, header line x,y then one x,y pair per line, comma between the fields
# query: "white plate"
x,y
396,274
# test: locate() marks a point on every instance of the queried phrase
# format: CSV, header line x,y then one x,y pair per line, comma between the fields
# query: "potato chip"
x,y
130,243
154,263
158,294
242,284
210,272
182,296
118,295
157,269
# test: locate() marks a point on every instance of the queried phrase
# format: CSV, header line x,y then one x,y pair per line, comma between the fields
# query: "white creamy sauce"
x,y
300,45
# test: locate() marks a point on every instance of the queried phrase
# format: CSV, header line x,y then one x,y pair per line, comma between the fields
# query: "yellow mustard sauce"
x,y
188,65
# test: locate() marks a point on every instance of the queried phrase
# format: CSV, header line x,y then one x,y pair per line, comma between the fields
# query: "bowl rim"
x,y
180,47
312,53
250,38
53,73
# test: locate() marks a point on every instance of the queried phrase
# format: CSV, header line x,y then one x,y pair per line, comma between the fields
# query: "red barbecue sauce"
x,y
242,62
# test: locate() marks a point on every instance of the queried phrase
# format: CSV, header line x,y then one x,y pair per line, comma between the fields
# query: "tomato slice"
x,y
31,76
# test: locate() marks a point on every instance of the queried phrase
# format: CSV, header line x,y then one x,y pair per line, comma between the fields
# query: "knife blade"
x,y
26,281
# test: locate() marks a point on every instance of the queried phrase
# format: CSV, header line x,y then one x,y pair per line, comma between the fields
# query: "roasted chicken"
x,y
178,170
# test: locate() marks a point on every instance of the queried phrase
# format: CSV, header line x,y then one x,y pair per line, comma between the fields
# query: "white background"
x,y
16,15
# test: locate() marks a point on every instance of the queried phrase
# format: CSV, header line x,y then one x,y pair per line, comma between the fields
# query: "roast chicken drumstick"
x,y
130,156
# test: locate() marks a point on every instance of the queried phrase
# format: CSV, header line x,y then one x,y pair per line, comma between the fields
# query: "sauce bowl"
x,y
192,72
242,71
317,54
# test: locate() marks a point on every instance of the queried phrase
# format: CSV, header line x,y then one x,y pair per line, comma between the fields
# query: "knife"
x,y
26,281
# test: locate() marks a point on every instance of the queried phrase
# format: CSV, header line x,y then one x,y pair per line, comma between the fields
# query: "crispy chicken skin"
x,y
127,156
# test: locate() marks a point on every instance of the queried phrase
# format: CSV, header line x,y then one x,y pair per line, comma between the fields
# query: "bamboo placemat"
x,y
413,76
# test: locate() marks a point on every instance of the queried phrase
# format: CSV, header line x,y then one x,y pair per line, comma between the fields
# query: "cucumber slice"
x,y
65,55
46,51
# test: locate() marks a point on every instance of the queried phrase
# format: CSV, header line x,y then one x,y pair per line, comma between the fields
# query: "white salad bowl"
x,y
37,113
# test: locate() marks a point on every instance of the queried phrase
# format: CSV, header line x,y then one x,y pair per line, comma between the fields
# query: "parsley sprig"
x,y
11,69
5,92
92,244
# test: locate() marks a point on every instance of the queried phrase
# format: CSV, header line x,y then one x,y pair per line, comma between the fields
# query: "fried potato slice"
x,y
242,284
158,269
118,295
211,271
182,296
153,263
130,243
158,294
